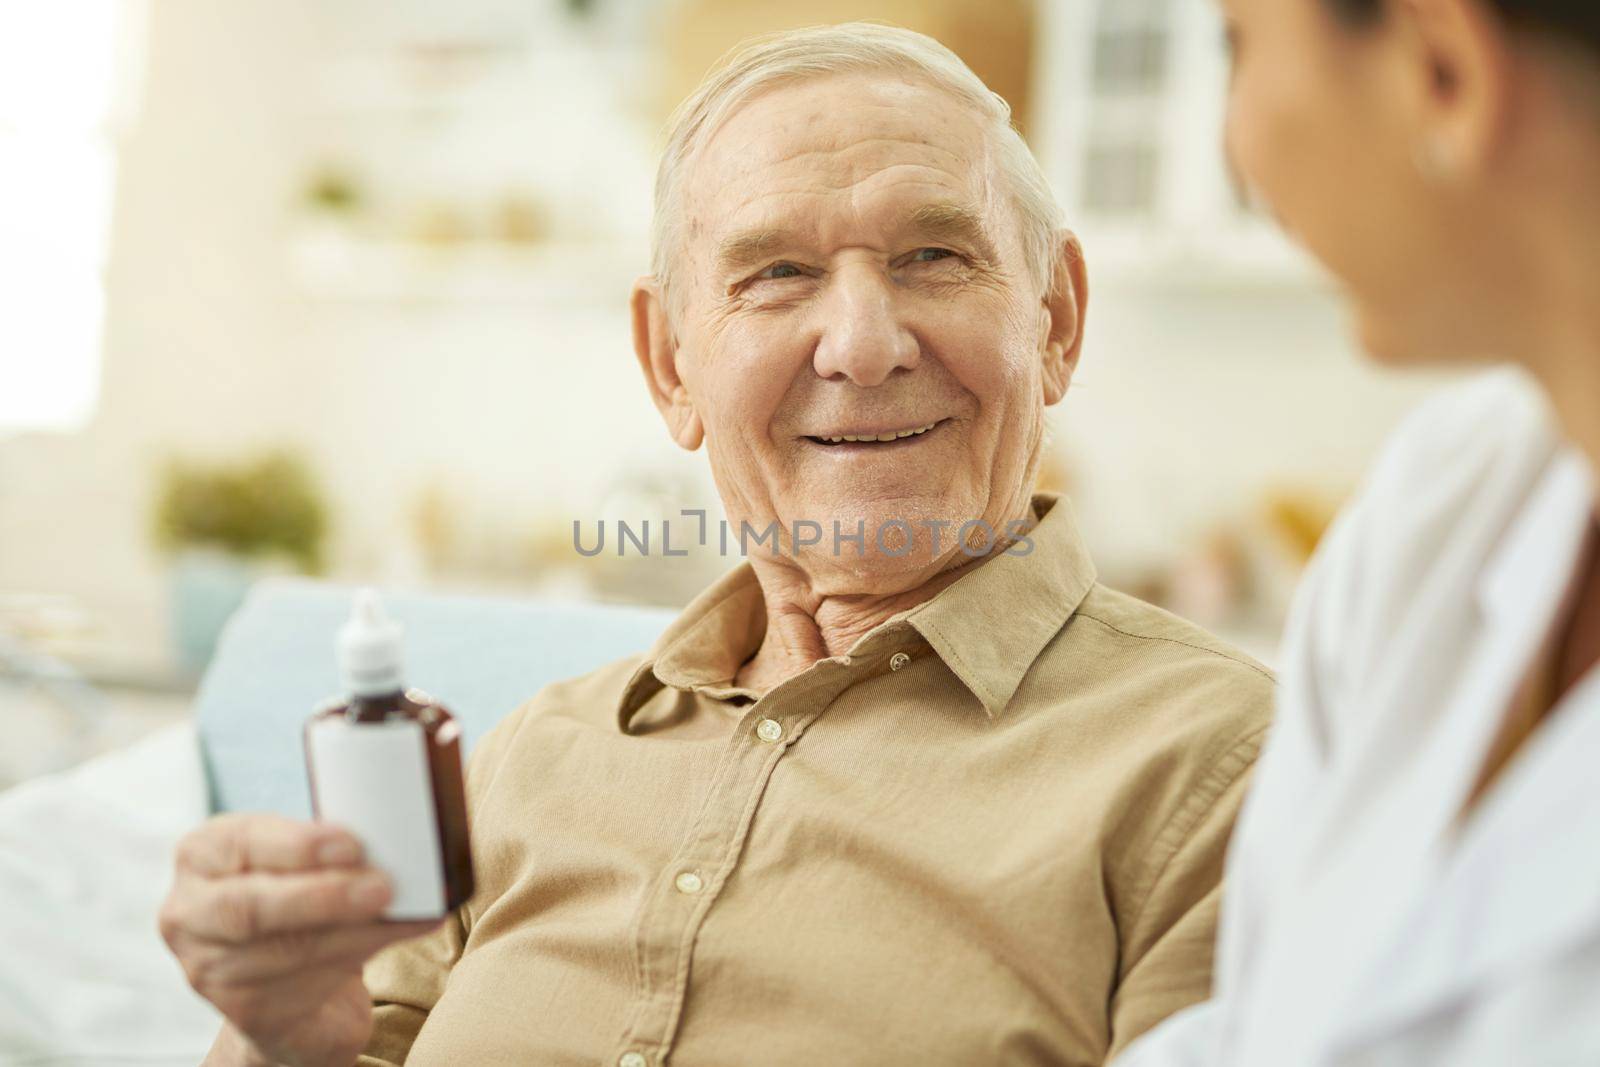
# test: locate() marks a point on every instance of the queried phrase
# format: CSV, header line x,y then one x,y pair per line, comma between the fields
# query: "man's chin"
x,y
870,574
876,545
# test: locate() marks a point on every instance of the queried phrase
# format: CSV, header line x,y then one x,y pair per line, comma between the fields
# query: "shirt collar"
x,y
987,627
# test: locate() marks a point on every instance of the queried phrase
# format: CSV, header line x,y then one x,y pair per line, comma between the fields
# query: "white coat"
x,y
1363,924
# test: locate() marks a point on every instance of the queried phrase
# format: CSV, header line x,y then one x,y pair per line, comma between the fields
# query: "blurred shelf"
x,y
589,274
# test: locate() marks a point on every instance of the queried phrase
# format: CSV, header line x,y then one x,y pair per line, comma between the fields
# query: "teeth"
x,y
879,437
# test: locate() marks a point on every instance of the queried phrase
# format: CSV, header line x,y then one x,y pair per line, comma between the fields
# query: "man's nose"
x,y
862,337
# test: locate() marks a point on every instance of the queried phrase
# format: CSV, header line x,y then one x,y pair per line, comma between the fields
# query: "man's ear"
x,y
657,350
1460,67
1061,322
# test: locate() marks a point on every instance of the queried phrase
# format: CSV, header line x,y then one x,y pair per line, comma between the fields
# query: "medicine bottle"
x,y
385,763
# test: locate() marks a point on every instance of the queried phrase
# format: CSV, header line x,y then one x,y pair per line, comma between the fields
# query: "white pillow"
x,y
85,859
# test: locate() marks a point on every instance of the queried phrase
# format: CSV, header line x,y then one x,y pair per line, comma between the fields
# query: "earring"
x,y
1434,159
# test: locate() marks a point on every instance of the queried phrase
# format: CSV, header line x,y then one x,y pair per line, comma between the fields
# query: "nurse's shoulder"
x,y
1446,484
1453,473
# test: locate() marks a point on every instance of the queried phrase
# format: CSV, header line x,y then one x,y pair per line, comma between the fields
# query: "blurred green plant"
x,y
333,190
252,508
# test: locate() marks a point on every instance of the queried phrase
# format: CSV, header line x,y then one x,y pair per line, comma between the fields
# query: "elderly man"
x,y
920,791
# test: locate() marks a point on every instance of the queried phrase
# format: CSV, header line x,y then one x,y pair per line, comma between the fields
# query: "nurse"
x,y
1415,879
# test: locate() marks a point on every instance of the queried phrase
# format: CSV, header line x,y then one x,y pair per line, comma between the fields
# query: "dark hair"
x,y
1576,19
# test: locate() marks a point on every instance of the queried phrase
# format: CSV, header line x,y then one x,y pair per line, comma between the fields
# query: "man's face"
x,y
853,268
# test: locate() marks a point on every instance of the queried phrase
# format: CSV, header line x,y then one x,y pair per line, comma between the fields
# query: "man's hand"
x,y
272,920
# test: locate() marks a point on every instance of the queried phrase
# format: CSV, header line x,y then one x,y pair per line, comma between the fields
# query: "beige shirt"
x,y
991,833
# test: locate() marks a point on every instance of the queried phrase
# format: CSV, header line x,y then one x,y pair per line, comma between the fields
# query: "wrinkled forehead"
x,y
837,152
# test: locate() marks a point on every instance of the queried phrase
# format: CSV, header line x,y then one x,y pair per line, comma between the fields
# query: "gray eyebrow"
x,y
744,251
954,223
943,221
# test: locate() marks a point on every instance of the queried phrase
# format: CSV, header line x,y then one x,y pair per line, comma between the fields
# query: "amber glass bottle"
x,y
385,763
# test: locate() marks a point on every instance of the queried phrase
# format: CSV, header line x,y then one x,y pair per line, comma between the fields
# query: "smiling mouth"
x,y
887,437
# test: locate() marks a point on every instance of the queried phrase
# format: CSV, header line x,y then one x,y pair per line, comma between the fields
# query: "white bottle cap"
x,y
370,649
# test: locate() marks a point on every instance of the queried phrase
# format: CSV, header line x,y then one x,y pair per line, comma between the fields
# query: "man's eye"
x,y
930,255
780,270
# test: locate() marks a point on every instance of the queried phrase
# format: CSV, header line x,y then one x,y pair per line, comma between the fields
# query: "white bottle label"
x,y
372,779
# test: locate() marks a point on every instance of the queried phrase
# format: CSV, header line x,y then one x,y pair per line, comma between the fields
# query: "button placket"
x,y
708,855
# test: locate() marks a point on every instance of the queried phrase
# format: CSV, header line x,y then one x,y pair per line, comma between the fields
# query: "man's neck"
x,y
804,625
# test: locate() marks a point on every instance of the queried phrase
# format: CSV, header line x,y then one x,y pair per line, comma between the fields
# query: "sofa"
x,y
86,854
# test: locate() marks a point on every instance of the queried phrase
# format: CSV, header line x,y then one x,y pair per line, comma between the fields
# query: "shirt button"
x,y
844,661
632,1059
898,660
769,730
689,882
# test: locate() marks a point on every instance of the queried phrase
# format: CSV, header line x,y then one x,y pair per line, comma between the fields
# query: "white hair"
x,y
796,55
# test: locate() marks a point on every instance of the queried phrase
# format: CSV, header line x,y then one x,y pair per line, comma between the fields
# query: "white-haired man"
x,y
916,790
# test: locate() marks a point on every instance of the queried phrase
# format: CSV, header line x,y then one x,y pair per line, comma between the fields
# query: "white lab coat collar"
x,y
1523,878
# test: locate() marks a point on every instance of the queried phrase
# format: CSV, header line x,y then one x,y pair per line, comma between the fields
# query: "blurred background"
x,y
338,287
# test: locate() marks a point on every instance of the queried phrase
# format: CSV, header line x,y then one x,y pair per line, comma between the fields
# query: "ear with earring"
x,y
1435,159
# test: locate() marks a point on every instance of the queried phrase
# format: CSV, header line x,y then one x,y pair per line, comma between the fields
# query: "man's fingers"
x,y
269,1006
238,843
338,950
249,907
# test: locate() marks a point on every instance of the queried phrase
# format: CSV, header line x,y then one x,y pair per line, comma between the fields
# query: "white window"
x,y
1133,99
66,81
1128,72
